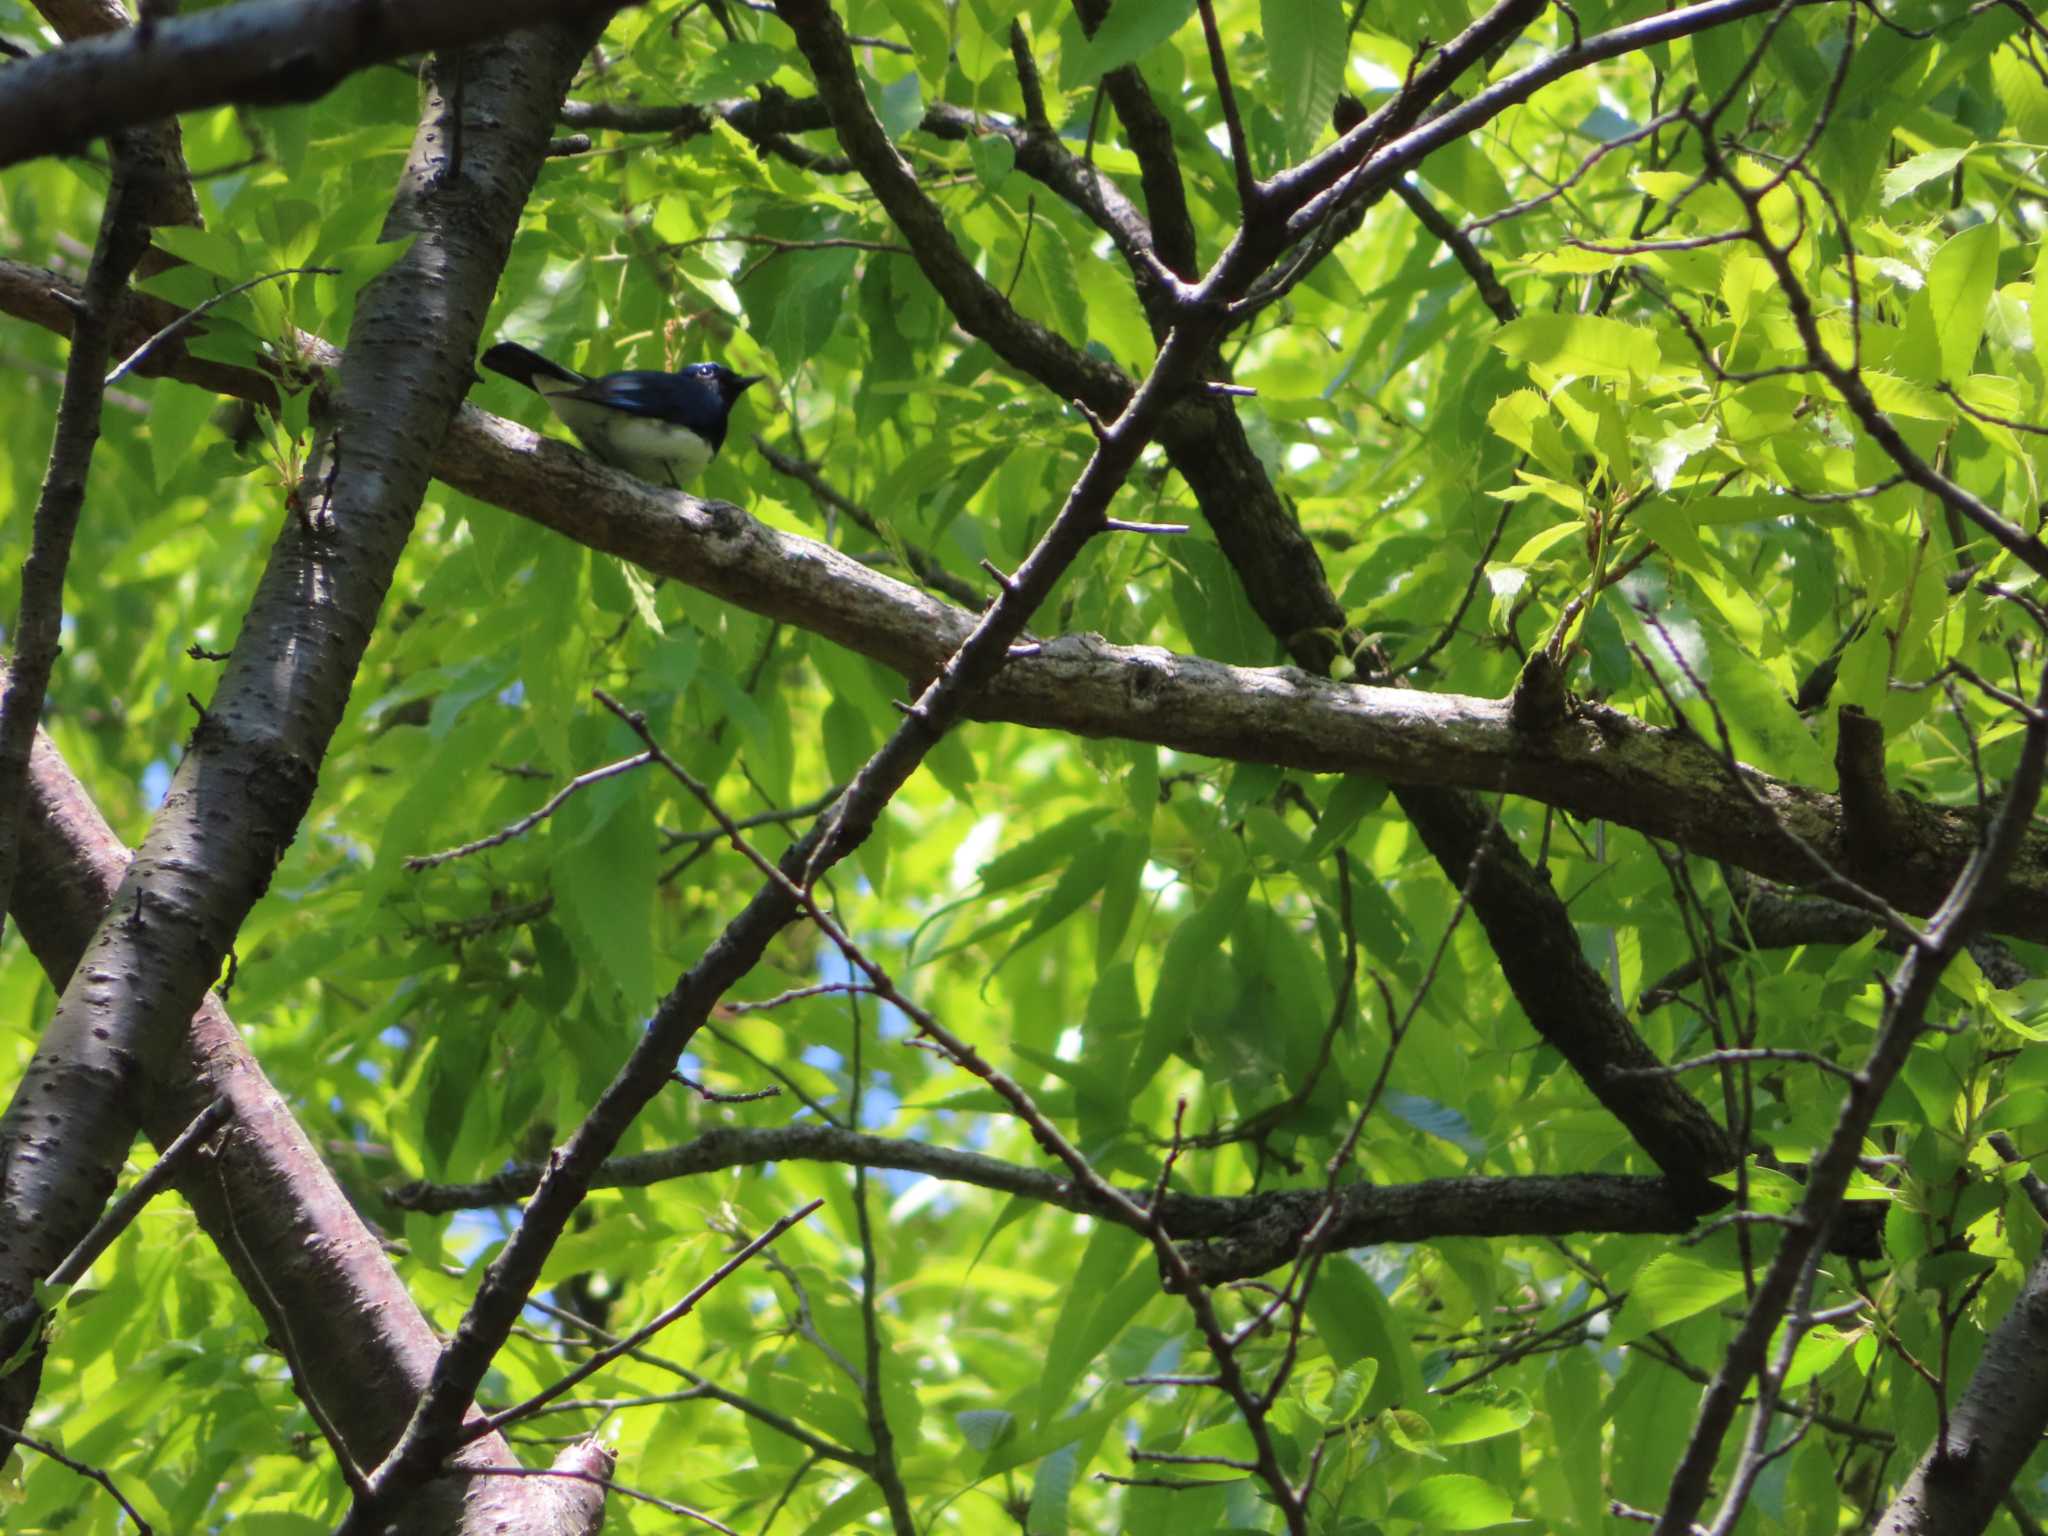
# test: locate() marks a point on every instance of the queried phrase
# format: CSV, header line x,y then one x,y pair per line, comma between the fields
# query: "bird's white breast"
x,y
657,451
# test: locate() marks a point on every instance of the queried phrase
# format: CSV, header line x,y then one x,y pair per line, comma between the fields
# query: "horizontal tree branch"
x,y
1597,763
272,51
1229,1237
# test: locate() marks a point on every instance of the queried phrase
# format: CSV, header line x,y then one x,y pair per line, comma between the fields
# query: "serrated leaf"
x,y
1959,285
1921,169
1305,39
1132,28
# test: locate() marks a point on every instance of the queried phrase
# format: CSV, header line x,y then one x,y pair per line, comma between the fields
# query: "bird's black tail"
x,y
528,367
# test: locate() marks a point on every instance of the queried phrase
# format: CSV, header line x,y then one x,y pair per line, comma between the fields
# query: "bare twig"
x,y
477,1429
83,1469
134,359
119,1216
533,818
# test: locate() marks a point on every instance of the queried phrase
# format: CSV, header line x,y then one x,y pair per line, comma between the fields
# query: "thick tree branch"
x,y
235,800
1599,764
1993,1428
123,237
1230,1237
1151,139
264,51
358,1347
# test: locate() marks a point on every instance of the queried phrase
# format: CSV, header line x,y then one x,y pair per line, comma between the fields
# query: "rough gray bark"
x,y
243,786
1992,1429
359,1349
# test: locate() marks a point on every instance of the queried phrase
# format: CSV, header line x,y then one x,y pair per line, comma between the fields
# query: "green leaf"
x,y
1356,1324
1196,940
900,105
1669,453
212,250
1305,40
1041,853
1454,1501
1670,1288
1356,796
1467,1418
1050,1491
1111,1285
1959,285
607,883
1132,28
994,158
2037,303
1920,169
985,1428
1579,345
1084,875
1335,1397
924,23
178,427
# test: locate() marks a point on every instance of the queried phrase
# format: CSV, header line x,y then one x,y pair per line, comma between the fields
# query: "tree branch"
x,y
249,772
1229,1237
1599,763
274,51
123,237
1907,999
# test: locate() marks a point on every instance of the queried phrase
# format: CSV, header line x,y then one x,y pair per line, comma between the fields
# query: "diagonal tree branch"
x,y
123,237
236,799
358,1347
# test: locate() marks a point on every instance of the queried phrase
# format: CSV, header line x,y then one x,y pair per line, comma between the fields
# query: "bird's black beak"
x,y
746,380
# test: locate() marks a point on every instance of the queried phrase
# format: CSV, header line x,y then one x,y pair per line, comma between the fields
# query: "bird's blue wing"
x,y
686,401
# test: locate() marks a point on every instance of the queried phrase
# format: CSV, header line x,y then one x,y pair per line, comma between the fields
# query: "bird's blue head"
x,y
730,385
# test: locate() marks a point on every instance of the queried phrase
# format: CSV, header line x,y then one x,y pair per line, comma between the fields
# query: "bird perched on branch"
x,y
662,427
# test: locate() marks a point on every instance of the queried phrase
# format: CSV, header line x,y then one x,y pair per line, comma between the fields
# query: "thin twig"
x,y
119,1216
477,1429
533,818
610,1485
83,1469
134,359
1248,189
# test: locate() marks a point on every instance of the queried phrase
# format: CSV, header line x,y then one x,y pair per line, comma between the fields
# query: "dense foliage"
x,y
1606,406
